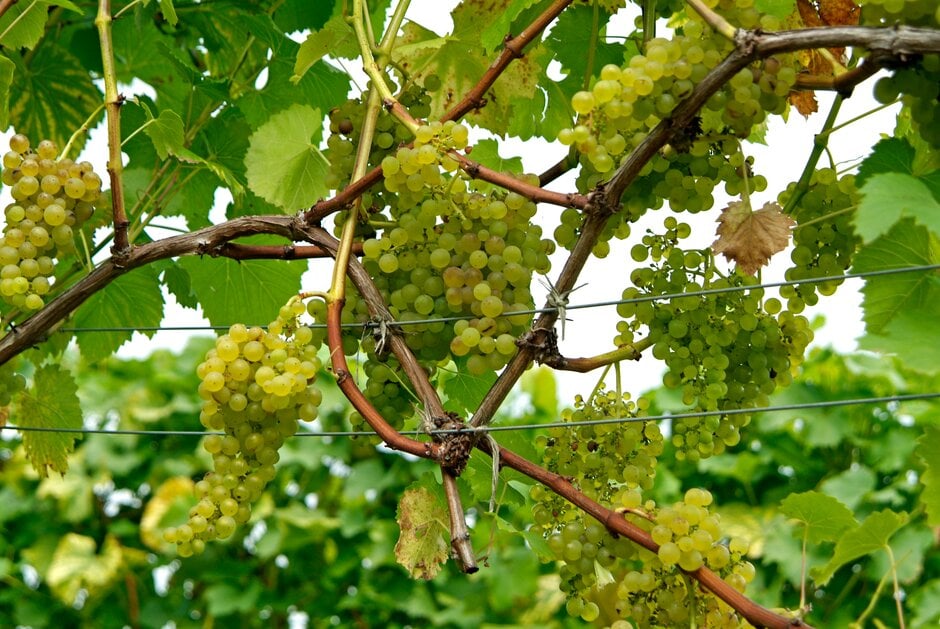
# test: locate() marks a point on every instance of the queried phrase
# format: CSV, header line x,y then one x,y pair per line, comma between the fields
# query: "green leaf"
x,y
465,389
166,132
916,345
177,282
542,388
250,291
851,486
905,245
890,155
52,402
132,300
926,604
824,517
284,165
169,12
223,599
327,40
54,81
889,197
777,8
486,152
6,80
23,24
498,27
77,565
927,448
422,546
872,535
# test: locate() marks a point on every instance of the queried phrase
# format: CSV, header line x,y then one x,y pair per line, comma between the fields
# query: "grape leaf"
x,y
250,291
871,535
497,28
223,598
889,197
169,12
55,81
916,345
284,165
777,8
750,238
6,80
76,565
169,506
850,486
926,604
927,448
132,300
464,390
890,155
52,402
165,131
486,152
23,24
824,517
335,36
885,297
422,546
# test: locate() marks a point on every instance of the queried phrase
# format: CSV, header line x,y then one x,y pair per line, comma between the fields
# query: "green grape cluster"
x,y
255,385
824,241
413,168
723,350
11,383
658,593
919,88
51,199
624,104
346,128
913,12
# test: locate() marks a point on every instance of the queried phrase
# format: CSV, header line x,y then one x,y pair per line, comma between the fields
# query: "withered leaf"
x,y
749,237
805,102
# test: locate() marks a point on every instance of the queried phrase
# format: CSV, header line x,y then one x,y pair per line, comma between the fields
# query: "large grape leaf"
x,y
824,517
890,155
905,245
871,535
76,565
890,197
285,167
422,546
23,24
250,291
52,402
927,448
132,300
907,336
53,81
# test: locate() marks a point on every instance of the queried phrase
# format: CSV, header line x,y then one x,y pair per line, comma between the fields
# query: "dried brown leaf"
x,y
839,12
749,237
804,101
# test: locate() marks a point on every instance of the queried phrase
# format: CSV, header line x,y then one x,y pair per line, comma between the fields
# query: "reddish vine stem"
x,y
512,49
843,83
614,522
291,251
113,102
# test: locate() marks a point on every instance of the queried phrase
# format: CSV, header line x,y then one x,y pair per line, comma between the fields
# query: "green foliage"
x,y
49,404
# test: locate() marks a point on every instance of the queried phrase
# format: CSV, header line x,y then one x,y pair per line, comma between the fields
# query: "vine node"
x,y
454,448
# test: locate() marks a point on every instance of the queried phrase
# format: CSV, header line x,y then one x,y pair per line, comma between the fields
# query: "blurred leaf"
x,y
824,517
422,546
169,506
850,486
77,564
285,167
50,403
928,446
872,535
6,81
224,599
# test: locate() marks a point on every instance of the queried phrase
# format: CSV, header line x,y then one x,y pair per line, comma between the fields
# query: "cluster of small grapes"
x,y
51,199
346,128
11,383
826,246
913,12
470,255
659,593
626,103
255,385
919,87
412,169
726,350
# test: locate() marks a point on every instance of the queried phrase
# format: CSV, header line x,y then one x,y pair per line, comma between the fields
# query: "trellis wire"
x,y
515,427
598,304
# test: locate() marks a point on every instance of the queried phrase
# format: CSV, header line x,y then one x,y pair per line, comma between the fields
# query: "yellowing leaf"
x,y
168,507
751,238
805,102
51,403
422,546
76,565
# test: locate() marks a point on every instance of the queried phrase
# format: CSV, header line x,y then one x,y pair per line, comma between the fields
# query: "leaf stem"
x,y
720,24
82,129
820,141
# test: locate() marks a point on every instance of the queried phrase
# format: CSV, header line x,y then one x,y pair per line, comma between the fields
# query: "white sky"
x,y
590,332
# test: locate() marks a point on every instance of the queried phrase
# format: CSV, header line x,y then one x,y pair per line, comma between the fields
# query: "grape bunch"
x,y
918,86
255,385
689,537
412,169
723,350
624,104
914,12
824,241
52,198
